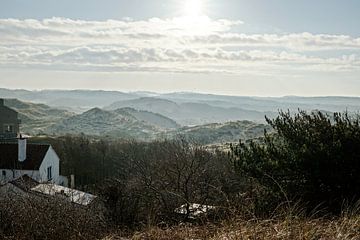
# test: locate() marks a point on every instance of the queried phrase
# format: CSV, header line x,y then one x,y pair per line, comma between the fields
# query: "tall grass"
x,y
284,226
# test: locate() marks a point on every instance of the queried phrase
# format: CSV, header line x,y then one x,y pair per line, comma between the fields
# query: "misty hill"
x,y
156,105
221,132
272,104
185,107
127,123
68,99
191,113
151,118
35,117
124,123
32,111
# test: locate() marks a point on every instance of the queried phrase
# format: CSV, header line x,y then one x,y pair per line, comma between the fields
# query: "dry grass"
x,y
342,228
30,217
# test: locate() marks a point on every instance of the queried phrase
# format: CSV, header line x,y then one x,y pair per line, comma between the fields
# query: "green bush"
x,y
314,157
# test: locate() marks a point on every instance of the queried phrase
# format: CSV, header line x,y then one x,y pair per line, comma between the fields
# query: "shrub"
x,y
161,176
28,217
315,157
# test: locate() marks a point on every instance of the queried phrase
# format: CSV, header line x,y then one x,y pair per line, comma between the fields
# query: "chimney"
x,y
72,181
1,102
21,149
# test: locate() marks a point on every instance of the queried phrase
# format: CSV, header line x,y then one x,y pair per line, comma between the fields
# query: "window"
x,y
49,173
9,128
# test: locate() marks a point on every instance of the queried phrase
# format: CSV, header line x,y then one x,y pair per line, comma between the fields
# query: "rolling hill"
x,y
123,123
127,123
217,133
191,113
73,100
36,117
144,115
183,106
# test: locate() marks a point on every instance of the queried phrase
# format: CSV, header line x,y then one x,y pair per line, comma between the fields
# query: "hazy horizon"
x,y
174,92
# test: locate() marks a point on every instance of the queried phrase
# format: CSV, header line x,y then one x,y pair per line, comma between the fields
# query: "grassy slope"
x,y
342,228
221,132
36,117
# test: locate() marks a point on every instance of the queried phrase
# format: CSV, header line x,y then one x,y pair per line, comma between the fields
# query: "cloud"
x,y
166,45
112,58
295,41
178,31
68,32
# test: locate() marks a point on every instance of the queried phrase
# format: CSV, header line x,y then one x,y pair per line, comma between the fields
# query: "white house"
x,y
38,161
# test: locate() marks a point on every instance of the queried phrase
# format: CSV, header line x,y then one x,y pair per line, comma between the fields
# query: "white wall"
x,y
51,160
63,181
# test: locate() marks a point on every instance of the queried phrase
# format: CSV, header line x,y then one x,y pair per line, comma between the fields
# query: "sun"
x,y
193,8
193,19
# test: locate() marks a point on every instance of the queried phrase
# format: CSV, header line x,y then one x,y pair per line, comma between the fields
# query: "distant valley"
x,y
126,123
147,116
192,113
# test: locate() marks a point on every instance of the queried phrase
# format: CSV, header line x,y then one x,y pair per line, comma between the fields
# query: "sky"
x,y
233,47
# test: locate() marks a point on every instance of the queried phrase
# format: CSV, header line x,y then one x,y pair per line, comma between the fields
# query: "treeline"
x,y
311,158
145,182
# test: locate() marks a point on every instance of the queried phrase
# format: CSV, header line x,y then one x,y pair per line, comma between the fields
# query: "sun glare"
x,y
193,8
194,19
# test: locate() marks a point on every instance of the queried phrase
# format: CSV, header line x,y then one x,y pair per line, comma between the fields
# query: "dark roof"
x,y
25,182
6,108
35,154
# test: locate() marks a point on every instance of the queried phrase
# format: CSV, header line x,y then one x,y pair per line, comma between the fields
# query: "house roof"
x,y
25,182
35,154
6,108
72,195
29,185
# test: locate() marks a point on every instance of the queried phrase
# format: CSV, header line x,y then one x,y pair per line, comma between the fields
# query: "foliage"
x,y
313,156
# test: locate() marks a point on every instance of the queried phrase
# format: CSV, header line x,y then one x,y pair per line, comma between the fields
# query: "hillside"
x,y
131,123
183,107
216,133
74,100
272,104
192,113
157,105
151,118
123,123
36,117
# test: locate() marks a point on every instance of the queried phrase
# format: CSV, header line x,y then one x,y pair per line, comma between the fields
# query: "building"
x,y
9,122
27,186
38,161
